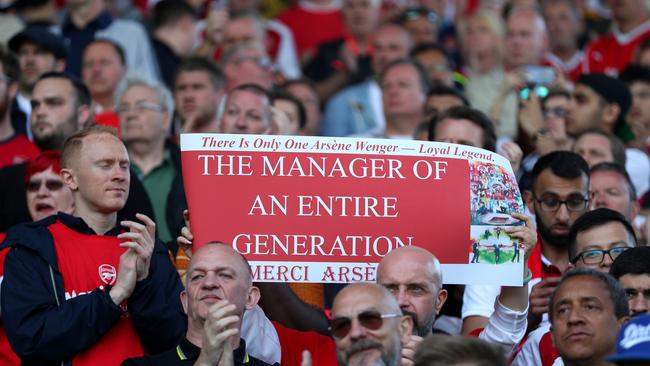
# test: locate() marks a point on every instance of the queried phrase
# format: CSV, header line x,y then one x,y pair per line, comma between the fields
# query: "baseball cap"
x,y
41,37
633,342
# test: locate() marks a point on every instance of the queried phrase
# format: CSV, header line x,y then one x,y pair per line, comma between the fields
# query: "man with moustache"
x,y
368,326
60,104
559,195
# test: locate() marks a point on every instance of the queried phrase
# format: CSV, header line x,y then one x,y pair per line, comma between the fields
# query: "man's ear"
x,y
405,328
69,179
13,90
610,116
83,116
442,297
253,297
184,300
60,65
620,322
529,200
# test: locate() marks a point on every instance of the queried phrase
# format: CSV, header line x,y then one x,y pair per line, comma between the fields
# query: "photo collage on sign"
x,y
494,194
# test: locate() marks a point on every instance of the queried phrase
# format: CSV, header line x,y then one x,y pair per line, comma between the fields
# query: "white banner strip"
x,y
335,145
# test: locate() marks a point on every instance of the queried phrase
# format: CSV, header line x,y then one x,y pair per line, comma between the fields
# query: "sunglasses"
x,y
370,319
50,184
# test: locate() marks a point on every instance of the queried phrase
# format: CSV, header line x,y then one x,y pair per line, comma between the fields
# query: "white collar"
x,y
625,38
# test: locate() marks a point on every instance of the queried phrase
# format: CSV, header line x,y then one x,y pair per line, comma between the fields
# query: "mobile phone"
x,y
539,75
540,90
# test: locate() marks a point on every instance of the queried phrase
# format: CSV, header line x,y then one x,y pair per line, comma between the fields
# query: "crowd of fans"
x,y
96,254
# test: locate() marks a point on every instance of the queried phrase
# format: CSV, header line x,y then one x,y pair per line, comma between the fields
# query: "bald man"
x,y
219,290
368,326
414,277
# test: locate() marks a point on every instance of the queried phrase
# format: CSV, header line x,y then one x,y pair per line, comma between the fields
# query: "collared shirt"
x,y
158,184
80,38
187,353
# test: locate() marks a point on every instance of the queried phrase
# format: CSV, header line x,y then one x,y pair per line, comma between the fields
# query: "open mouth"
x,y
40,207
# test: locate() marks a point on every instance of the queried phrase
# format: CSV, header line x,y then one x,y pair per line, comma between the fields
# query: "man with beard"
x,y
14,147
368,326
197,91
560,194
38,51
60,107
413,275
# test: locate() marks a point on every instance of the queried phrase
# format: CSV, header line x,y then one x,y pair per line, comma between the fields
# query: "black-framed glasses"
x,y
596,256
50,184
139,107
551,203
369,319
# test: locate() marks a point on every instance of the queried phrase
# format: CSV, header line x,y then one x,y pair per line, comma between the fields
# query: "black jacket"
x,y
44,333
186,354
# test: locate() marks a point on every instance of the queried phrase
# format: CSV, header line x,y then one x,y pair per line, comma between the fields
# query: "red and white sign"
x,y
320,209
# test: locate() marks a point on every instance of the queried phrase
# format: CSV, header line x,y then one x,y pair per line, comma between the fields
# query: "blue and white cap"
x,y
633,342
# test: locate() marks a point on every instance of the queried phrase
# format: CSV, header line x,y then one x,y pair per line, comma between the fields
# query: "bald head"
x,y
413,275
384,300
411,256
239,262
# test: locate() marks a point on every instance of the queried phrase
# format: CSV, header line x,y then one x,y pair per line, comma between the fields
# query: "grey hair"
x,y
164,95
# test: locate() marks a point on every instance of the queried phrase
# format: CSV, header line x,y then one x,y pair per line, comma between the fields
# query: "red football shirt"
x,y
84,271
16,150
610,53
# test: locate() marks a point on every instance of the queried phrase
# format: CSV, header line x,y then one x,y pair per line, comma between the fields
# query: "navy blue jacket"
x,y
44,333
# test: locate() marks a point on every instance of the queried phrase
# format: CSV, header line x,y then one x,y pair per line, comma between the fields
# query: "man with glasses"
x,y
368,326
145,110
559,195
598,237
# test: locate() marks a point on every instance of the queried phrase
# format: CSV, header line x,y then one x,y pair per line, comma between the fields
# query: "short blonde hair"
x,y
72,145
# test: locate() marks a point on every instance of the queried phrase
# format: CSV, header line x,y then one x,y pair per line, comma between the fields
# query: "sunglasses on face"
x,y
370,319
50,184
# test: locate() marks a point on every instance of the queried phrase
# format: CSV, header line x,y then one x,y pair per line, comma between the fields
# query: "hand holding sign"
x,y
318,209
